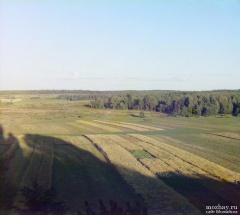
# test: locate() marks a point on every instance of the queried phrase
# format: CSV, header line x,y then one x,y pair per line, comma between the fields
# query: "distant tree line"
x,y
45,91
176,103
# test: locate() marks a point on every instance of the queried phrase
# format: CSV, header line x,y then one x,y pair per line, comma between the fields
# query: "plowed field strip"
x,y
10,151
124,143
208,147
134,127
205,165
157,195
166,158
194,187
31,173
39,169
183,162
141,126
103,127
81,128
81,173
169,125
45,169
84,144
166,164
113,126
171,160
89,129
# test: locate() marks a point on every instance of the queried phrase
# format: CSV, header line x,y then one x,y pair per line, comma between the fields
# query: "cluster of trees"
x,y
76,97
174,103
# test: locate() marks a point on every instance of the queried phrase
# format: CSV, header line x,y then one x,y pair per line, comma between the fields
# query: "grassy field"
x,y
94,159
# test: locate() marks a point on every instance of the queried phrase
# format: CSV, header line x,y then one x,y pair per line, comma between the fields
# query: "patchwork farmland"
x,y
110,161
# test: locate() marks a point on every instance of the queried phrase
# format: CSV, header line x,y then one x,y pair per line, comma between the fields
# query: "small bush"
x,y
142,115
140,154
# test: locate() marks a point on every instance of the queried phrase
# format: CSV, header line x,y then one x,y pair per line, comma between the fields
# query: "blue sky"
x,y
120,45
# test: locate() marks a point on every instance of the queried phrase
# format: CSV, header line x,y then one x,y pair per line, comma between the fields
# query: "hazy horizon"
x,y
120,45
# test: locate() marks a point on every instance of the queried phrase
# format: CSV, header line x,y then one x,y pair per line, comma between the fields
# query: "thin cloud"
x,y
167,77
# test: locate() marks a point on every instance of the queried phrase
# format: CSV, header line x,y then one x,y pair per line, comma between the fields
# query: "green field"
x,y
167,165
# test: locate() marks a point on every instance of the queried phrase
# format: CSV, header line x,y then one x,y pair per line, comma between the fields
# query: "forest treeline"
x,y
175,103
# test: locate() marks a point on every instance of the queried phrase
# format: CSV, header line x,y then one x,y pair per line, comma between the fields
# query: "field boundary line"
x,y
222,135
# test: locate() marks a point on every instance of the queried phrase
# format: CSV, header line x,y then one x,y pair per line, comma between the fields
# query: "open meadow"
x,y
80,159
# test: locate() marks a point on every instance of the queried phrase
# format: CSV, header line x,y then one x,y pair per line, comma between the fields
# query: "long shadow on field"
x,y
79,179
8,148
203,192
74,178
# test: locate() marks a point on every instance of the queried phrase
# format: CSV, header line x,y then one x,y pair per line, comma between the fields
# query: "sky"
x,y
120,45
